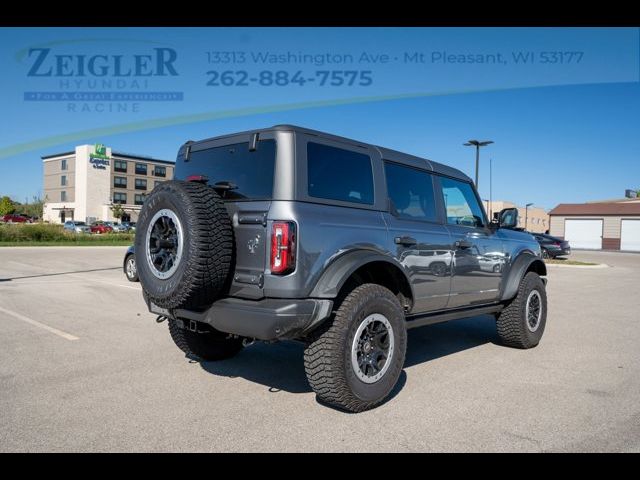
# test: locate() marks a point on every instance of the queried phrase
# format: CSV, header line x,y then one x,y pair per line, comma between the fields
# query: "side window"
x,y
461,203
338,174
411,192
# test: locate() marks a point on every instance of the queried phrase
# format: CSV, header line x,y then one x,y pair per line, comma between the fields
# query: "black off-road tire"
x,y
327,359
207,345
203,271
512,320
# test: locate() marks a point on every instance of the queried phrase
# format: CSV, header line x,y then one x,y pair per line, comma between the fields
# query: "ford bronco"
x,y
289,233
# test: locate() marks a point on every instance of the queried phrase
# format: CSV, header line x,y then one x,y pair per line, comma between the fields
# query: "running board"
x,y
421,320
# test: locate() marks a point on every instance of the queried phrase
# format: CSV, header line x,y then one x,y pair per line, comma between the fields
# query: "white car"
x,y
436,262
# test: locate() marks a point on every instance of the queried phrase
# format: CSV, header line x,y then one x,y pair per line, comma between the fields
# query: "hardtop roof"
x,y
385,153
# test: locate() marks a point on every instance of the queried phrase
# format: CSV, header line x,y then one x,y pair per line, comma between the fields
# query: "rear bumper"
x,y
266,319
559,252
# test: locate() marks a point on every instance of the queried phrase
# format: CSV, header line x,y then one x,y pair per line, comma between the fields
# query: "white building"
x,y
85,184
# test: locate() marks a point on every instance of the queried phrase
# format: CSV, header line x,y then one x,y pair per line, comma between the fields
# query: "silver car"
x,y
117,227
76,226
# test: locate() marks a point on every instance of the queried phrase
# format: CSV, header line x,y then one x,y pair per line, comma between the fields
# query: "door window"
x,y
338,174
411,192
461,203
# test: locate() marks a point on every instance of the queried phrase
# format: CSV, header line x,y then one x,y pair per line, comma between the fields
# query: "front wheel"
x,y
355,359
521,323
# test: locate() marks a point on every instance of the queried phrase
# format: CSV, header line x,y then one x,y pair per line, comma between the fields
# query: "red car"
x,y
100,227
13,218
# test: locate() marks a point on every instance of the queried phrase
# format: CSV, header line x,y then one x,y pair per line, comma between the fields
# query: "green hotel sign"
x,y
100,151
99,159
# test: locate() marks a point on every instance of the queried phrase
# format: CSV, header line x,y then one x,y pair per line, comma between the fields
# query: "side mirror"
x,y
508,218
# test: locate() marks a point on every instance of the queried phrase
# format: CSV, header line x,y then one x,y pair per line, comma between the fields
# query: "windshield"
x,y
245,175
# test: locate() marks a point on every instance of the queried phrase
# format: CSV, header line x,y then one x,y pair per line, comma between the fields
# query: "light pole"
x,y
477,144
526,214
490,188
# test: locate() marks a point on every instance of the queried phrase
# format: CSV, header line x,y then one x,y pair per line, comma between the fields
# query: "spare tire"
x,y
184,245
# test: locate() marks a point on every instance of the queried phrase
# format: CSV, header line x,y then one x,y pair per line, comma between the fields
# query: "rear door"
x,y
244,178
422,244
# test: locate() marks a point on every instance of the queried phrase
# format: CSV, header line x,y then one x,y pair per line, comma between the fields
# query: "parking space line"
x,y
108,283
55,331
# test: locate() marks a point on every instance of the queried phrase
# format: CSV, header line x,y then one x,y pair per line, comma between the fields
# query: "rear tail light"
x,y
283,247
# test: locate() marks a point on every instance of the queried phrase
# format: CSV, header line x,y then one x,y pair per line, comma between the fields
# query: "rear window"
x,y
338,174
250,173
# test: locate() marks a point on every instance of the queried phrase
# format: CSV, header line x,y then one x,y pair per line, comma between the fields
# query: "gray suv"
x,y
289,233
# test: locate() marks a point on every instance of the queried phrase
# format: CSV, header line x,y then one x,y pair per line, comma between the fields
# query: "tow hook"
x,y
193,326
248,341
161,318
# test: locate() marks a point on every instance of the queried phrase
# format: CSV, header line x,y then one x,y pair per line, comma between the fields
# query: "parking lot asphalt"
x,y
84,367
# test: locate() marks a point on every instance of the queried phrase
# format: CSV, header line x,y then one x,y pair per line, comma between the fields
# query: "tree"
x,y
6,206
33,209
117,210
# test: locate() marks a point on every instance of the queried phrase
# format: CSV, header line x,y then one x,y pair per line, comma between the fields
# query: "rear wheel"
x,y
355,359
522,322
205,343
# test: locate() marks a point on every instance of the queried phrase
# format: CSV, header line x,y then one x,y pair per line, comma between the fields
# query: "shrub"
x,y
43,232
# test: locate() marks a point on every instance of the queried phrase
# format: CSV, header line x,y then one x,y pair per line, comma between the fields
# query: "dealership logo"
x,y
160,63
111,81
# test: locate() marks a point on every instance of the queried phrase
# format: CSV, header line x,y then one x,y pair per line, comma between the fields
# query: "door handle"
x,y
463,244
406,241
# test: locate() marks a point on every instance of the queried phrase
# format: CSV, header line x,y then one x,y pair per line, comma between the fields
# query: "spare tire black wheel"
x,y
184,245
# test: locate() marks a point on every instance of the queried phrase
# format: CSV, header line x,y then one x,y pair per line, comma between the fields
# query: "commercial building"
x,y
608,225
86,183
532,219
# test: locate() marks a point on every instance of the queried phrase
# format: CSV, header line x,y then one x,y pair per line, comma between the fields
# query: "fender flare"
x,y
339,271
517,270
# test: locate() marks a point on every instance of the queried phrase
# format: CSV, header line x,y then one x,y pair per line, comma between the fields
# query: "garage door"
x,y
630,235
583,233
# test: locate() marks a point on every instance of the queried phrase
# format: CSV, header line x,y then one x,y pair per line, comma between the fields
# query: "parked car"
x,y
434,262
129,265
117,227
131,226
14,218
552,247
101,227
76,226
325,264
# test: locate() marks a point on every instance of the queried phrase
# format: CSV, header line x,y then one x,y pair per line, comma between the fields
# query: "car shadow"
x,y
442,339
280,367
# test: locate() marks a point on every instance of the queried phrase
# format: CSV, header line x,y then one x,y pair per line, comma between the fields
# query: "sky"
x,y
563,133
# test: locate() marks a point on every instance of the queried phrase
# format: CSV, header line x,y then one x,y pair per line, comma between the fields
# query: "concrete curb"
x,y
599,265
